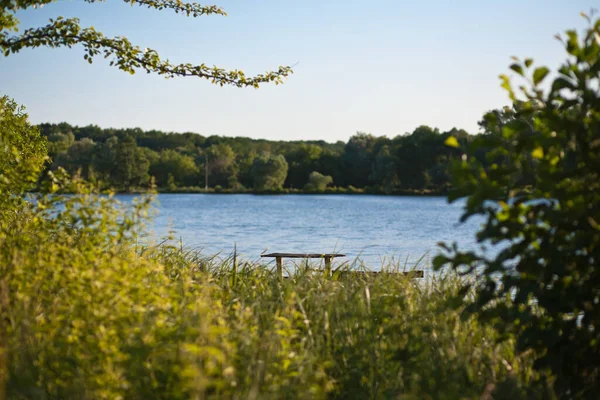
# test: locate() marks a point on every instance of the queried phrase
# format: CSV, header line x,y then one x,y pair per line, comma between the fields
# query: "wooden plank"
x,y
418,274
413,274
303,255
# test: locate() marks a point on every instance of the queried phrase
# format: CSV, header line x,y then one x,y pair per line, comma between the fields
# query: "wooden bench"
x,y
328,258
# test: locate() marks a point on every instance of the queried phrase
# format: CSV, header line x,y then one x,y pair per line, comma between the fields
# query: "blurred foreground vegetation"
x,y
88,314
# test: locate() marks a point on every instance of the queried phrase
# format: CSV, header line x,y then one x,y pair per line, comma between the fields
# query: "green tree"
x,y
416,154
416,161
181,168
330,163
131,167
384,171
538,189
22,151
222,169
79,157
59,144
67,32
245,163
105,159
358,158
301,160
269,172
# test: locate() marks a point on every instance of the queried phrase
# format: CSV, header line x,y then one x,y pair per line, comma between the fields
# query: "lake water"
x,y
375,229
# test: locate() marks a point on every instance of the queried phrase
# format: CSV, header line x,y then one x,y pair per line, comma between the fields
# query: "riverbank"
x,y
328,191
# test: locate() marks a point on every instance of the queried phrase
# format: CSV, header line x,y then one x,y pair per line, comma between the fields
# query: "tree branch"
x,y
127,57
63,32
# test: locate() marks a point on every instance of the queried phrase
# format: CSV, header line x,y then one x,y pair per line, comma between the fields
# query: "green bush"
x,y
317,182
22,149
534,176
92,318
86,317
336,190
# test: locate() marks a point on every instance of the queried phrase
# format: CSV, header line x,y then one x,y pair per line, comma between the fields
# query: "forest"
x,y
131,159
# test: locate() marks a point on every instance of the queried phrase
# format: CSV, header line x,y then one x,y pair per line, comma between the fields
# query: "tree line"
x,y
130,159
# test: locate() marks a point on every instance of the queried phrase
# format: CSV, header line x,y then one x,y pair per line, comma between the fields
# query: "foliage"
x,y
59,144
302,160
22,149
415,162
383,171
67,32
105,161
269,172
317,182
537,184
180,167
131,164
221,165
22,156
357,157
79,158
85,315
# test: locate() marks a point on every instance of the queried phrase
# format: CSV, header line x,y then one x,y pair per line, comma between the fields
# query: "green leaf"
x,y
561,83
508,131
517,68
452,142
506,85
538,153
539,74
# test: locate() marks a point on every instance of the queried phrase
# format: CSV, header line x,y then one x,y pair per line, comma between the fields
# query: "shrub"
x,y
352,189
22,149
535,178
317,182
269,172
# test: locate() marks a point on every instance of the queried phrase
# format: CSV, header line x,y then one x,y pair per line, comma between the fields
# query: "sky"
x,y
379,66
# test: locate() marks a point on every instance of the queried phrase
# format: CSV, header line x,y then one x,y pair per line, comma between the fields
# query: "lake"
x,y
375,229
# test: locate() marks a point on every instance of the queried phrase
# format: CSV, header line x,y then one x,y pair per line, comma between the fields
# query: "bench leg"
x,y
328,266
279,262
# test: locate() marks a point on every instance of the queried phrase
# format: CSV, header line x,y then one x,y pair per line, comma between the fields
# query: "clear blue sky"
x,y
377,66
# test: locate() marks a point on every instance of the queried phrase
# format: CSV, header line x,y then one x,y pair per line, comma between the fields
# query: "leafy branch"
x,y
67,32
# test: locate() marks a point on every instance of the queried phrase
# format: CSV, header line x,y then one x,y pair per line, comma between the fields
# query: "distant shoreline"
x,y
140,191
407,193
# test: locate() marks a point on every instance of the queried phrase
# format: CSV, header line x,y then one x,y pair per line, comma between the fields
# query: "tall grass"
x,y
87,314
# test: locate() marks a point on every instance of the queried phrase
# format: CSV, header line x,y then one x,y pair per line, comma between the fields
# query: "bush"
x,y
90,318
269,172
336,190
317,182
22,149
535,178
